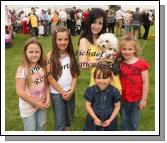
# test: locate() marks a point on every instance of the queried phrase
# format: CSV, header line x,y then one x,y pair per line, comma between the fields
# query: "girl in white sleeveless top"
x,y
64,71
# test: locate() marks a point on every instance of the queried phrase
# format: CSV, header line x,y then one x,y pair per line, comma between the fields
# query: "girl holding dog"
x,y
134,81
96,25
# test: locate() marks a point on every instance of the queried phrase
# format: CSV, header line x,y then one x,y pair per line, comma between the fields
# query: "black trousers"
x,y
72,27
146,28
34,31
110,27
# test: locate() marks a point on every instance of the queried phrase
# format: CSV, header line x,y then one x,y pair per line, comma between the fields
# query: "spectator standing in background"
x,y
63,18
44,20
119,21
110,20
128,21
40,30
78,18
33,22
136,23
72,21
54,20
146,23
49,21
14,19
84,17
25,29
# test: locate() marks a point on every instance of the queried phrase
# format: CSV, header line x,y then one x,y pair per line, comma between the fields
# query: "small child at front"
x,y
40,30
135,82
102,101
31,87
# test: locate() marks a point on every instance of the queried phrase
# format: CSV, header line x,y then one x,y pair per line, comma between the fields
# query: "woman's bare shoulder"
x,y
83,40
84,43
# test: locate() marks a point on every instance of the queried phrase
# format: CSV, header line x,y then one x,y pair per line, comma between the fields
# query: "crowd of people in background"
x,y
42,23
112,90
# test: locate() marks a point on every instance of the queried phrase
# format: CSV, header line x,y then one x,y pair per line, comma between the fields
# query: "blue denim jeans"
x,y
127,28
35,122
130,114
63,111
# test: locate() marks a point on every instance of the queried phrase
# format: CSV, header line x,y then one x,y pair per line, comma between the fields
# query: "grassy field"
x,y
13,57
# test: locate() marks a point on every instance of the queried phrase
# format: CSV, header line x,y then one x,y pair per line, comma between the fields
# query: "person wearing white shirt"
x,y
40,30
63,18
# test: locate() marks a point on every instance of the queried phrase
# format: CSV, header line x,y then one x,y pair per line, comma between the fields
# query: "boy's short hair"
x,y
104,69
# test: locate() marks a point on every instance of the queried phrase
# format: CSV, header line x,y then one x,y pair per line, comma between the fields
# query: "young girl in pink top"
x,y
134,81
31,87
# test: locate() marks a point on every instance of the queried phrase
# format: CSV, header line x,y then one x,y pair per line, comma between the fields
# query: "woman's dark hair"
x,y
56,68
93,15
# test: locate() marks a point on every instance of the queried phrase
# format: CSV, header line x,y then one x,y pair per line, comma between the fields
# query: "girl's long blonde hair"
x,y
129,38
25,62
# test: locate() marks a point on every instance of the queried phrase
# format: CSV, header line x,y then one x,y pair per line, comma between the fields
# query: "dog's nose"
x,y
103,46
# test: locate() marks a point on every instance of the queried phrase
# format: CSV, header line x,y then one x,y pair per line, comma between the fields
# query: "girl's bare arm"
x,y
51,80
20,91
47,100
72,90
145,80
83,59
89,109
115,112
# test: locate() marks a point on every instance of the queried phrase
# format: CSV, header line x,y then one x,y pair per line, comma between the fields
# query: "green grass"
x,y
13,57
